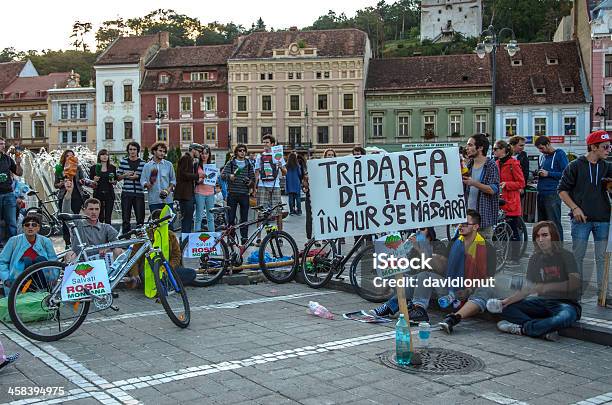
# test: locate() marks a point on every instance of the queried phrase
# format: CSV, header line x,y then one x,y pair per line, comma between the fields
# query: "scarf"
x,y
468,265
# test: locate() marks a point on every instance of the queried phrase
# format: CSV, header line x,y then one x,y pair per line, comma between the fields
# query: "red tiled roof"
x,y
515,84
176,82
329,43
9,71
28,87
428,72
127,49
186,56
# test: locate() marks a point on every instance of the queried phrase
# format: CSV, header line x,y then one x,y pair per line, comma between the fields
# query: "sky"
x,y
49,23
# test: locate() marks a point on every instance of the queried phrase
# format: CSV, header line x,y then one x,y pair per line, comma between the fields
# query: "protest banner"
x,y
604,284
200,243
91,275
211,172
361,195
277,153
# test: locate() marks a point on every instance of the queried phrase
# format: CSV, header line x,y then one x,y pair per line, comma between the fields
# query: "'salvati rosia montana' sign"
x,y
91,276
202,242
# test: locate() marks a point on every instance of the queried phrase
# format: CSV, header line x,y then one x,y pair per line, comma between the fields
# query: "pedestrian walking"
x,y
104,175
293,184
132,192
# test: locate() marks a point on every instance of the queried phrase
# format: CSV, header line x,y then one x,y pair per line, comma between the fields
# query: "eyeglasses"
x,y
496,148
242,150
467,224
30,224
607,147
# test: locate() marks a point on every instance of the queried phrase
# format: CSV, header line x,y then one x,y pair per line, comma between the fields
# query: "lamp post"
x,y
602,113
489,45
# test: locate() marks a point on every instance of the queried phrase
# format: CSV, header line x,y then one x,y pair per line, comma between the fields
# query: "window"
x,y
539,126
73,111
569,126
64,136
265,131
322,101
210,103
348,134
164,78
319,75
481,123
403,126
108,94
377,126
162,105
108,130
270,76
290,75
429,125
162,134
64,111
608,65
455,123
199,76
295,135
16,129
347,102
245,76
511,124
83,136
127,130
323,134
39,129
242,103
211,134
294,102
352,74
185,104
186,134
83,111
242,135
73,136
266,103
344,74
3,129
262,76
127,93
298,75
326,75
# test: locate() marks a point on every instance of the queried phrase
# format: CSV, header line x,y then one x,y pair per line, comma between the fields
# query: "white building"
x,y
440,19
119,70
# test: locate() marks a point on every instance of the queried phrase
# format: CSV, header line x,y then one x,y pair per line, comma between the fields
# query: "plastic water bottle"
x,y
120,261
447,300
424,333
402,342
319,310
494,306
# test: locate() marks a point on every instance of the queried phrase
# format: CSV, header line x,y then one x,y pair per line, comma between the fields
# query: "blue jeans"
x,y
540,316
8,212
204,203
295,203
549,209
393,303
580,238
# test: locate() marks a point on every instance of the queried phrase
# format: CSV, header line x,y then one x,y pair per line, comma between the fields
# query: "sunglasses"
x,y
242,150
30,224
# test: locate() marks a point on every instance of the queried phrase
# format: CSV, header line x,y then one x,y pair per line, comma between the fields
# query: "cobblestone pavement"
x,y
256,344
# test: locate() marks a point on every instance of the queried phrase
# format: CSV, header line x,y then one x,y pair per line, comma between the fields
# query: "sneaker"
x,y
509,327
382,311
552,336
9,359
418,314
449,322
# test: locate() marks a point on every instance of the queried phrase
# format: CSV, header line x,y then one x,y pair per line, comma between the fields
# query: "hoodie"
x,y
582,180
554,163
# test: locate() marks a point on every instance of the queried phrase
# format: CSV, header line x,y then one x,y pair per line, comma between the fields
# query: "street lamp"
x,y
158,117
602,113
489,45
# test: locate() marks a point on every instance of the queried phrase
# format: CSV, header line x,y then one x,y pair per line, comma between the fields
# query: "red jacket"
x,y
512,175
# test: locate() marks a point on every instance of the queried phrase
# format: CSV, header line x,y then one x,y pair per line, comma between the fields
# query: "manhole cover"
x,y
437,361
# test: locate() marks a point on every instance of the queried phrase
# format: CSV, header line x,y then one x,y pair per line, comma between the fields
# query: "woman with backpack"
x,y
293,184
239,174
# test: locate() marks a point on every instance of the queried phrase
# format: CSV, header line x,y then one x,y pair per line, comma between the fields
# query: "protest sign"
x,y
211,172
361,195
200,243
277,153
391,245
609,248
91,275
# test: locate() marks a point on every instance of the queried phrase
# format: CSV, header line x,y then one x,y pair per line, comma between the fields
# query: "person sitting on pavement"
x,y
23,250
551,274
135,280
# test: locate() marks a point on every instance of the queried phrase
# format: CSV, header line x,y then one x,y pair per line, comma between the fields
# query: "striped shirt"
x,y
131,186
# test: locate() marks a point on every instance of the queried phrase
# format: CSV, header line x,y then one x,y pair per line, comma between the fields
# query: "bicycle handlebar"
x,y
150,224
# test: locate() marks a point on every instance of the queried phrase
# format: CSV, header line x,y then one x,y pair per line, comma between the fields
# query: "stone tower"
x,y
440,19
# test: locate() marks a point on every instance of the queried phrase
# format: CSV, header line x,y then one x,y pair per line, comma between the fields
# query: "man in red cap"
x,y
584,189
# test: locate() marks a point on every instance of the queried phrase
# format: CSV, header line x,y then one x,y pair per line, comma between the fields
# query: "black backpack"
x,y
267,159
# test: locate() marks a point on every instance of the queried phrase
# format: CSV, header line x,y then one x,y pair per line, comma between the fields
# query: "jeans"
x,y
8,208
549,209
129,201
539,316
186,207
233,201
422,294
515,246
295,203
580,238
204,203
107,203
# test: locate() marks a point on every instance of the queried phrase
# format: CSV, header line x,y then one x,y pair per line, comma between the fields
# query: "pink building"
x,y
601,65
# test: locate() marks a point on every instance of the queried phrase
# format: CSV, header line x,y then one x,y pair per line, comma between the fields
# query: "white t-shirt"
x,y
269,184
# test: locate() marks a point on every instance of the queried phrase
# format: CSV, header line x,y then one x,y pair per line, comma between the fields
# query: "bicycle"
x,y
277,263
320,263
51,225
56,319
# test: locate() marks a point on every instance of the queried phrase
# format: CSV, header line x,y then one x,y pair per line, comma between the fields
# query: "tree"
x,y
145,154
49,61
79,30
109,31
183,29
260,25
10,54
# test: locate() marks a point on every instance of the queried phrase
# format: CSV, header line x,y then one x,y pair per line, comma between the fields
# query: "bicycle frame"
x,y
232,230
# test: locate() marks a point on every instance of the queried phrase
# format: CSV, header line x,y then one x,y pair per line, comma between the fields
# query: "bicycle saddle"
x,y
69,217
219,210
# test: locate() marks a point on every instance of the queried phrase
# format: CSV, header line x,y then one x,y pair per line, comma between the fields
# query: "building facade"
x,y
24,109
543,92
72,116
184,97
119,70
601,66
303,87
440,19
409,102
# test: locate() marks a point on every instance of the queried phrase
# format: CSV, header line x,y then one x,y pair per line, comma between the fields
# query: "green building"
x,y
428,99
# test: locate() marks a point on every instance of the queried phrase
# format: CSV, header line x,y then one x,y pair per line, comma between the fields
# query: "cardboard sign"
x,y
91,275
211,172
609,248
362,195
392,244
200,243
277,153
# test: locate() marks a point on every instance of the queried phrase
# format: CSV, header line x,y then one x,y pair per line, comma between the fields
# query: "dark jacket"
x,y
524,161
186,177
105,189
76,181
244,178
582,180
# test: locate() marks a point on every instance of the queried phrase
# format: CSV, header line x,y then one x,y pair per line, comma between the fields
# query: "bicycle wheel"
x,y
317,266
171,293
39,314
502,235
362,276
278,257
209,269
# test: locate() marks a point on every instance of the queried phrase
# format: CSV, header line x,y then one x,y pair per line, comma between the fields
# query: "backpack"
x,y
269,170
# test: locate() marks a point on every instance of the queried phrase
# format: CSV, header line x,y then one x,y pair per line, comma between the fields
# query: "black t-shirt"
x,y
554,268
7,166
134,164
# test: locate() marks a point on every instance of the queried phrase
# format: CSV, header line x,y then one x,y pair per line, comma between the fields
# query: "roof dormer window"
x,y
199,76
164,78
539,90
517,62
552,60
568,89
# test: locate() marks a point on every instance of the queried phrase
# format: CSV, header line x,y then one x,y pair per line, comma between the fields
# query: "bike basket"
x,y
29,306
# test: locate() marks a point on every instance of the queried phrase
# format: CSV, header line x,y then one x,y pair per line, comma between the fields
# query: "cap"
x,y
597,137
196,146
